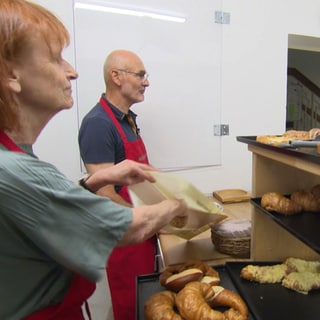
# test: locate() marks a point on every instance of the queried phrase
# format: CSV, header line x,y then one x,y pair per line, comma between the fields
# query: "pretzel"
x,y
174,278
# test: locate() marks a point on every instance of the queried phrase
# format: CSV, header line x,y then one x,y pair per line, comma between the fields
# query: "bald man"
x,y
108,135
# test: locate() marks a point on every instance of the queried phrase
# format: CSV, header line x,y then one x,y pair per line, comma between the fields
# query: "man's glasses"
x,y
143,75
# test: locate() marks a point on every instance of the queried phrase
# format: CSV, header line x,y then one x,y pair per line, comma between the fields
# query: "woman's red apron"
x,y
79,291
126,263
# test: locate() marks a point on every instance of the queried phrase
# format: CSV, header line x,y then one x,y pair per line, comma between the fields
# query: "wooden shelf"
x,y
284,172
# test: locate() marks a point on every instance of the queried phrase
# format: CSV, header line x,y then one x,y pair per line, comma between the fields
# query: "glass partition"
x,y
180,45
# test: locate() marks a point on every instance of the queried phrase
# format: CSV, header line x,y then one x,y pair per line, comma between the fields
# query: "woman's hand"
x,y
150,219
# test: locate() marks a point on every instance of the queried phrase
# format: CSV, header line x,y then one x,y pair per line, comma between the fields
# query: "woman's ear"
x,y
14,83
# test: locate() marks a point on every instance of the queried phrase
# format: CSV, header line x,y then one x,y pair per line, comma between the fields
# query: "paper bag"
x,y
202,212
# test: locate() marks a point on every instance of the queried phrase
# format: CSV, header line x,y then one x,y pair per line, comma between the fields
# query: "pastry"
x,y
313,133
160,306
274,201
228,298
295,274
192,304
273,140
196,299
300,265
302,282
264,274
297,134
289,135
306,200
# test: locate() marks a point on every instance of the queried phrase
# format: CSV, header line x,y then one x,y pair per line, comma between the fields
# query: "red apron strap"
x,y
114,119
8,143
134,150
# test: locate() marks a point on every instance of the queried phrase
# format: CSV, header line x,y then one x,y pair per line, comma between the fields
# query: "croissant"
x,y
228,298
196,299
306,200
160,306
274,201
192,305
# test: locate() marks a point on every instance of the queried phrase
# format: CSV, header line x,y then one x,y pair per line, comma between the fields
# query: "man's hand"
x,y
130,172
124,173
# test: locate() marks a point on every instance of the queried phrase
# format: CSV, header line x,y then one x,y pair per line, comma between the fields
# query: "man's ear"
x,y
115,77
14,83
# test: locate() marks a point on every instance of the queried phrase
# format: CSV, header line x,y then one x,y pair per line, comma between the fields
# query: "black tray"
x,y
309,154
305,226
149,284
273,301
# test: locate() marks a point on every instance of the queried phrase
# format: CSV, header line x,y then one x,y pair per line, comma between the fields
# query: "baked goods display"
x,y
299,201
296,274
198,300
289,135
193,293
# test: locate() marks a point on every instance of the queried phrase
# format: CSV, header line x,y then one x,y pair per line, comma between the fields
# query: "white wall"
x,y
58,141
253,86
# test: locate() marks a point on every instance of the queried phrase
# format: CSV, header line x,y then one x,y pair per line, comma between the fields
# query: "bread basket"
x,y
227,239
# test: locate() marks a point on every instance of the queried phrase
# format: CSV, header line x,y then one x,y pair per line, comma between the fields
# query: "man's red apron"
x,y
80,288
126,263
